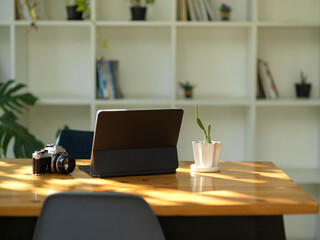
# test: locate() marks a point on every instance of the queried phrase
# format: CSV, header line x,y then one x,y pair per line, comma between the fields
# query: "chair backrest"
x,y
79,215
77,143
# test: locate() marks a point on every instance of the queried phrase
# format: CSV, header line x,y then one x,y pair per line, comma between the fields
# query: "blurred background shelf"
x,y
57,61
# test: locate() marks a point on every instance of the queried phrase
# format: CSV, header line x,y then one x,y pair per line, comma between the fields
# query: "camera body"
x,y
52,159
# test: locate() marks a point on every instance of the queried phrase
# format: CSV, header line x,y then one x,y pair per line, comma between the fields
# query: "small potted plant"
x,y
225,12
207,152
77,9
303,88
139,9
188,89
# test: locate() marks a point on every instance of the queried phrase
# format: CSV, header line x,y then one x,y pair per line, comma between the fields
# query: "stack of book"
x,y
266,87
195,10
108,79
31,10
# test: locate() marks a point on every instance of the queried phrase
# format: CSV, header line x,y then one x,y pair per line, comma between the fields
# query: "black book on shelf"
x,y
115,69
260,90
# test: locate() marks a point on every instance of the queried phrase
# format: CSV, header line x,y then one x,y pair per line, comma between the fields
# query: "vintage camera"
x,y
54,159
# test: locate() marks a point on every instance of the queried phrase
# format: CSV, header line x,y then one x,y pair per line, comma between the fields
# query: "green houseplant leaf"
x,y
207,138
12,102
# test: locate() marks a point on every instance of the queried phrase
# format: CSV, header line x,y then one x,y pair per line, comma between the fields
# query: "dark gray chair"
x,y
77,143
85,216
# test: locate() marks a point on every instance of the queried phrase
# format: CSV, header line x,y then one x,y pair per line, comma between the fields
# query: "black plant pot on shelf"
x,y
303,90
73,14
138,13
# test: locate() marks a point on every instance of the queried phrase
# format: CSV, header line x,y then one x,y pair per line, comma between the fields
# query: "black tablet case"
x,y
135,142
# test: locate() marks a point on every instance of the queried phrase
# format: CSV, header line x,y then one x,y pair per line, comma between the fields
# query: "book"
x,y
108,84
115,69
19,10
203,10
112,80
183,10
101,78
273,84
98,94
197,10
107,73
191,10
267,83
209,10
262,79
179,10
260,91
25,10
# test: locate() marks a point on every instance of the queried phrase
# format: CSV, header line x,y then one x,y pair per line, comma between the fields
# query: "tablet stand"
x,y
138,161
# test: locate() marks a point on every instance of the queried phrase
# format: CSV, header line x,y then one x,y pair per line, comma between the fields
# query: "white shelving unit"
x,y
57,62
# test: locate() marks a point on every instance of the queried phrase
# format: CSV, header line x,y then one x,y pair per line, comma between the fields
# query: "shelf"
x,y
213,24
288,24
64,100
304,176
133,23
61,23
232,101
133,101
286,102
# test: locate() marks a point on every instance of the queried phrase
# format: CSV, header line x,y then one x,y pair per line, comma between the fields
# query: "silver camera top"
x,y
54,149
48,151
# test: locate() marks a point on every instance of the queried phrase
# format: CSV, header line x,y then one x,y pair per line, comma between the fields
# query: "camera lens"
x,y
65,164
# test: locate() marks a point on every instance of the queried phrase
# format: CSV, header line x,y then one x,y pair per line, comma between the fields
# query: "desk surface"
x,y
240,188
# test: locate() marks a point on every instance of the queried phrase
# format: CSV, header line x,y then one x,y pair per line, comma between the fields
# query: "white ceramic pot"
x,y
206,155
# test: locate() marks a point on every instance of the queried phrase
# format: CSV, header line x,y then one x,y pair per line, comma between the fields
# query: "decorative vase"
x,y
73,14
225,16
188,93
303,90
206,156
138,13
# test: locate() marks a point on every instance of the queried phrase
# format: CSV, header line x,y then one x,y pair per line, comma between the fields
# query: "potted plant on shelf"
x,y
225,12
207,152
11,103
303,88
188,89
139,9
77,9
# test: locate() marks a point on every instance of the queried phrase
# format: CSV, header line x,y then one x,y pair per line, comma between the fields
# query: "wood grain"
x,y
240,188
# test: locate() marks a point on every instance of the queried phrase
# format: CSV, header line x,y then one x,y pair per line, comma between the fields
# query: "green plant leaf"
x,y
24,143
11,101
207,138
200,124
4,86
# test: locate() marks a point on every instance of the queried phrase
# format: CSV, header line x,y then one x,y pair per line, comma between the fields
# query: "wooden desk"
x,y
239,189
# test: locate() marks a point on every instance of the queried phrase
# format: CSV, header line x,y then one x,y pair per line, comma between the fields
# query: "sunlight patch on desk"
x,y
21,177
279,175
96,181
23,170
44,191
5,164
15,185
230,177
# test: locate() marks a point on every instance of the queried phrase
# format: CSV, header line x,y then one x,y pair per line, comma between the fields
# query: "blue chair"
x,y
77,143
93,215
